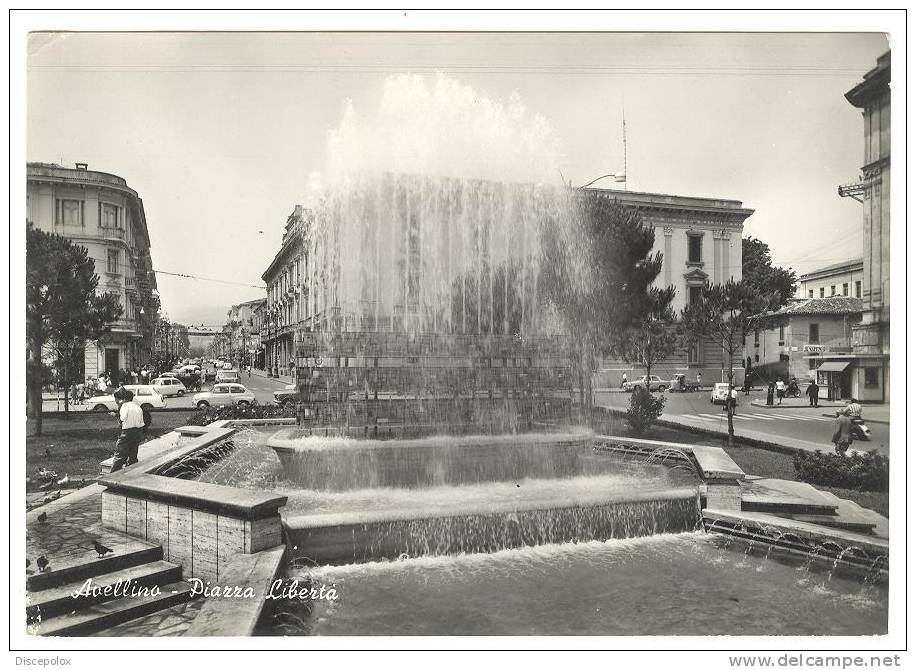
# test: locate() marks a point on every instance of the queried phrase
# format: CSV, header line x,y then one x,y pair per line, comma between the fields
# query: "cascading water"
x,y
431,214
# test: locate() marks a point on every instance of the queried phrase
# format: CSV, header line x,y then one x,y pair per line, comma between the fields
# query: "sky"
x,y
222,134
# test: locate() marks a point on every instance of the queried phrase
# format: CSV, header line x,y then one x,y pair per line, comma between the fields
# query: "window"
x,y
782,335
696,293
693,352
813,363
811,293
694,248
814,333
871,376
858,289
833,290
846,289
756,337
822,292
69,213
110,215
113,260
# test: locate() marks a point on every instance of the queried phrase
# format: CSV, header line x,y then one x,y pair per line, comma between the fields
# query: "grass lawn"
x,y
79,443
753,460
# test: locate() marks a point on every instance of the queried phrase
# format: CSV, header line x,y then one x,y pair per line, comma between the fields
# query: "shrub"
x,y
864,472
644,409
210,414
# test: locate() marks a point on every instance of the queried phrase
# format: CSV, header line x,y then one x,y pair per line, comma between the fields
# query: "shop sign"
x,y
816,348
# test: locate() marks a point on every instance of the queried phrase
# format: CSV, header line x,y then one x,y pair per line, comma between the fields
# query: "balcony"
x,y
112,233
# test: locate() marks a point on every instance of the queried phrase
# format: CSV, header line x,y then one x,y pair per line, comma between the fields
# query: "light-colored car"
x,y
227,366
168,386
144,395
653,383
718,394
225,394
223,376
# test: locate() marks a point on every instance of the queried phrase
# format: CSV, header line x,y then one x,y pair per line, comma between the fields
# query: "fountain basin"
x,y
328,463
476,524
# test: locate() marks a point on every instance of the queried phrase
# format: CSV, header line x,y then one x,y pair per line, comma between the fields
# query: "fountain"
x,y
443,463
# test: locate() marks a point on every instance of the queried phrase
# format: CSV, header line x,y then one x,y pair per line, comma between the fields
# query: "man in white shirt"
x,y
131,417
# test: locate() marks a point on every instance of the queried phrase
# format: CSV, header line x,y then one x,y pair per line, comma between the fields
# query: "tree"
x,y
722,313
596,273
63,308
654,338
758,272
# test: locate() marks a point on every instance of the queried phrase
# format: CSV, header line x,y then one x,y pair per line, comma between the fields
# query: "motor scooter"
x,y
859,430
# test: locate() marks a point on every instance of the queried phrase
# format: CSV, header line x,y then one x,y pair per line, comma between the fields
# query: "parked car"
x,y
225,394
653,383
227,376
168,386
289,394
718,394
144,395
680,384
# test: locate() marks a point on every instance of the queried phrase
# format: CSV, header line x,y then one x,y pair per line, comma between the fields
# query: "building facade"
x,y
700,241
100,212
870,358
288,304
793,341
244,337
842,279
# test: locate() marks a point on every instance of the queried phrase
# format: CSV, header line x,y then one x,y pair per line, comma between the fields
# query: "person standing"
x,y
780,390
130,415
771,387
812,391
623,380
842,433
733,400
699,380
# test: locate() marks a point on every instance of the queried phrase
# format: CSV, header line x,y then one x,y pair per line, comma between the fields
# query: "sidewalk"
x,y
282,379
752,437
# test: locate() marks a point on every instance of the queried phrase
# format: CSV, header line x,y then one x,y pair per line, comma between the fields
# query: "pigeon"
x,y
47,474
101,548
42,563
64,480
43,519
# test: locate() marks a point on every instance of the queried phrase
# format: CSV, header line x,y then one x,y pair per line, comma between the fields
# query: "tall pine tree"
x,y
597,272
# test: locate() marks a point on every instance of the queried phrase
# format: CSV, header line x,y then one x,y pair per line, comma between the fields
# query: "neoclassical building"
x,y
700,241
99,211
287,304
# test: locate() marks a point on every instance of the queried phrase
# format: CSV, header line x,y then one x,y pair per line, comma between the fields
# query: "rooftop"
x,y
836,305
851,264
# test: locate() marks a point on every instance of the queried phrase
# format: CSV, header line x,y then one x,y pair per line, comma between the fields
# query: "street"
x,y
262,387
805,425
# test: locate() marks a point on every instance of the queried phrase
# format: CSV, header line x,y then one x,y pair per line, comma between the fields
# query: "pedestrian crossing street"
x,y
769,416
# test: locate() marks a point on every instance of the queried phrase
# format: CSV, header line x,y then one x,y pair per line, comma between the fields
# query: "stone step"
x,y
60,599
112,612
780,496
855,525
126,553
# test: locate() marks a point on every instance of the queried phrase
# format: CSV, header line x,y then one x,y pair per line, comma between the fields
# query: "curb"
x,y
881,421
738,439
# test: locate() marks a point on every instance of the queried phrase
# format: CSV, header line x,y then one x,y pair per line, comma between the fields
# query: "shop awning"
x,y
834,366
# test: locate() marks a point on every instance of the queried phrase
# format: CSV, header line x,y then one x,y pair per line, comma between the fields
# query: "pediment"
x,y
696,275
